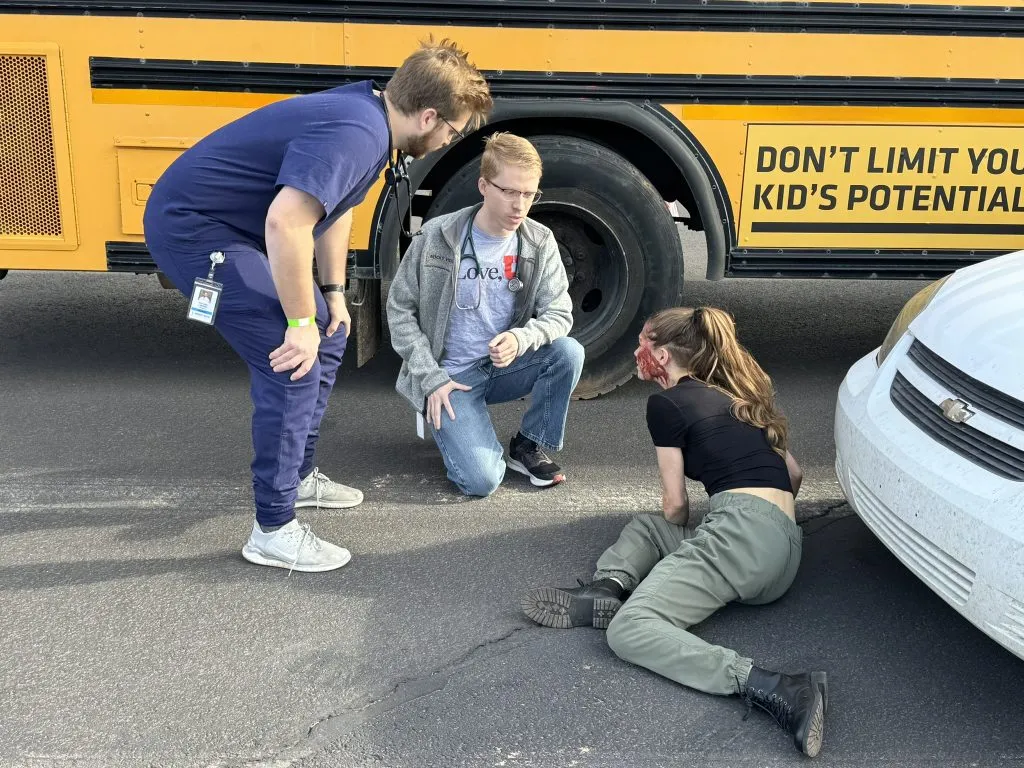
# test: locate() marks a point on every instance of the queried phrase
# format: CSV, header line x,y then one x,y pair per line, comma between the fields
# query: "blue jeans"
x,y
471,451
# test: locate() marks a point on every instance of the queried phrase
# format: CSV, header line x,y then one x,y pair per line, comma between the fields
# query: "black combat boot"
x,y
588,605
797,702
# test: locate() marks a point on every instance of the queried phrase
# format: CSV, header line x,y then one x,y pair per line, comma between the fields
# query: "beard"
x,y
419,146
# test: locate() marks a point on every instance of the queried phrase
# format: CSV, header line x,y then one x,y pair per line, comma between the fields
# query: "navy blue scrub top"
x,y
332,145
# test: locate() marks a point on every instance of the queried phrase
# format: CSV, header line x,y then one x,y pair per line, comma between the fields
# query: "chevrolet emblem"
x,y
956,411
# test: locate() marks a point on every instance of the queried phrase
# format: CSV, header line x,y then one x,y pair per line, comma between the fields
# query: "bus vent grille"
x,y
29,196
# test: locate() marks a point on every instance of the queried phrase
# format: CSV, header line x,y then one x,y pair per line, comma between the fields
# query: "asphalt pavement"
x,y
135,634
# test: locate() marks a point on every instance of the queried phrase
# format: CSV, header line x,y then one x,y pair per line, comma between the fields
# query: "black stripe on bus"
x,y
887,228
258,77
861,264
712,15
135,257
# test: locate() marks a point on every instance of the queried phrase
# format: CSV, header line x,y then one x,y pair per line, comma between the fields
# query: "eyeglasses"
x,y
513,194
454,130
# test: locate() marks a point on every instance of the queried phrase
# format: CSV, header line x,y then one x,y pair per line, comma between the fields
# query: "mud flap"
x,y
364,306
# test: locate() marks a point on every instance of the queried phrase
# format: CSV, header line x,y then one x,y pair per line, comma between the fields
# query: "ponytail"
x,y
704,341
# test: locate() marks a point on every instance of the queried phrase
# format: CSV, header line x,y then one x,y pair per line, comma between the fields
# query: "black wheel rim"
x,y
596,266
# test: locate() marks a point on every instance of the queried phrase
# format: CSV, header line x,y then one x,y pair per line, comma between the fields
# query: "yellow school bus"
x,y
805,139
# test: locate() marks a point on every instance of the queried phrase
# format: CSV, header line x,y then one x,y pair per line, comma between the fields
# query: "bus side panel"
x,y
66,195
897,191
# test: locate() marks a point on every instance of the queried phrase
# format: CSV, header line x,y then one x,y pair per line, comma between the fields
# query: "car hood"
x,y
976,322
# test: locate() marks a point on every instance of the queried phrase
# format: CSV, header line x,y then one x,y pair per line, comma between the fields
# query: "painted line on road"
x,y
580,494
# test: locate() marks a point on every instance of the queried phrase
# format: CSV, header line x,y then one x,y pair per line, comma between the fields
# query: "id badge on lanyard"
x,y
206,294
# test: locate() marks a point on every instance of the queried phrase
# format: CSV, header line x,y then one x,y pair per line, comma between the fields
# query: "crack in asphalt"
x,y
337,724
414,687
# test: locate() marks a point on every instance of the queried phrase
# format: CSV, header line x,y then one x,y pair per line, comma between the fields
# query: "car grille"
x,y
1013,621
941,571
977,447
980,396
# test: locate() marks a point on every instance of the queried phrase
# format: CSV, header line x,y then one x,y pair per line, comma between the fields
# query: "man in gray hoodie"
x,y
480,312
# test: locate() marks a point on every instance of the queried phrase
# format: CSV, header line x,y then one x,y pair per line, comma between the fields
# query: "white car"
x,y
929,434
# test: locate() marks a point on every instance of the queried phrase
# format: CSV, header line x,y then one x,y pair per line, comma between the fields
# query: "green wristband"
x,y
301,322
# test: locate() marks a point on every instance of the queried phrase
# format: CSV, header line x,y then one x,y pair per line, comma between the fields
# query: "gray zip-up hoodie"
x,y
422,295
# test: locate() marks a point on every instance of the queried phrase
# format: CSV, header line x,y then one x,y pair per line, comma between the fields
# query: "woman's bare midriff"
x,y
781,499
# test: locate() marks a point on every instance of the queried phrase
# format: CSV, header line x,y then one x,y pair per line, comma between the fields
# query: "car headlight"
x,y
910,310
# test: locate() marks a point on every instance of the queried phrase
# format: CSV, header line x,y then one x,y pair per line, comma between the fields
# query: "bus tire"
x,y
619,245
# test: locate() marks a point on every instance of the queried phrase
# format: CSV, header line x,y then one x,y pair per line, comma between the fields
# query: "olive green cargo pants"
x,y
746,549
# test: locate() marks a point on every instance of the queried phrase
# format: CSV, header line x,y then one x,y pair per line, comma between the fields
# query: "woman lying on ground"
x,y
716,417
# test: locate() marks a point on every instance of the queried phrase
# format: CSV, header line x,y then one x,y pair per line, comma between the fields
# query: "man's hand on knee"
x,y
339,313
438,398
298,351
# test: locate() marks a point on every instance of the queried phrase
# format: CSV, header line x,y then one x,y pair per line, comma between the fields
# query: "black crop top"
x,y
719,450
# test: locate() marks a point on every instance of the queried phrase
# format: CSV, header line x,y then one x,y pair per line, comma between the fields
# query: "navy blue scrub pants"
x,y
286,414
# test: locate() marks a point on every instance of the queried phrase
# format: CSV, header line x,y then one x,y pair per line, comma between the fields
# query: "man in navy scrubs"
x,y
243,213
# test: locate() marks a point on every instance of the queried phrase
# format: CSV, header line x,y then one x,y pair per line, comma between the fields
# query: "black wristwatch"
x,y
336,287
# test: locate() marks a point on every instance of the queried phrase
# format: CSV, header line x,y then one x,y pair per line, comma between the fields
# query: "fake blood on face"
x,y
650,368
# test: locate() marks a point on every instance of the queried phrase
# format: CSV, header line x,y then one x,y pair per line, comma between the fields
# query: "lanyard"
x,y
397,173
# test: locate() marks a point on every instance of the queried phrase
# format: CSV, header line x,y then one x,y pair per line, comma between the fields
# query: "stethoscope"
x,y
396,172
511,269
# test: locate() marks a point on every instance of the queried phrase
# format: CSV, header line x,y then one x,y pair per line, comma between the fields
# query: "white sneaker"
x,y
319,491
294,547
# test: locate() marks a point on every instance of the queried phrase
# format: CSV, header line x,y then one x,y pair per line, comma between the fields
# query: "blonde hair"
x,y
703,340
503,148
440,76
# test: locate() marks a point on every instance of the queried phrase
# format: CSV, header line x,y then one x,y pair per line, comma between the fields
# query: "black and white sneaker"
x,y
527,458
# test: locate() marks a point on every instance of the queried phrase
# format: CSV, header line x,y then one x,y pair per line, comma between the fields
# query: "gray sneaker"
x,y
318,490
295,547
